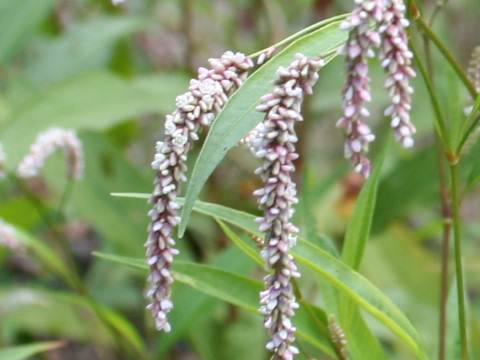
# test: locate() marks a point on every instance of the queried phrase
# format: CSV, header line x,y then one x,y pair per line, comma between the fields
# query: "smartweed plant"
x,y
330,256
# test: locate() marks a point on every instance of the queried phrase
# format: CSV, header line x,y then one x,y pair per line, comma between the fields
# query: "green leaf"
x,y
452,337
83,46
22,352
244,292
360,290
358,228
239,115
362,343
247,248
192,306
94,101
18,21
348,281
135,263
238,290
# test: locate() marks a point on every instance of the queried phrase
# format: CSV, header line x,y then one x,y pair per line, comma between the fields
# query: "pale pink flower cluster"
x,y
8,237
45,145
388,33
396,60
276,148
197,107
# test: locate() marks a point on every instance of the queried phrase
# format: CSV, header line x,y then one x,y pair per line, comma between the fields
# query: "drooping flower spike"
x,y
197,107
395,57
373,24
358,48
277,151
45,145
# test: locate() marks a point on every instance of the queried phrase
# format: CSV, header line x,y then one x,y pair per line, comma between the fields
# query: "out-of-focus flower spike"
x,y
45,145
8,237
276,148
395,58
197,107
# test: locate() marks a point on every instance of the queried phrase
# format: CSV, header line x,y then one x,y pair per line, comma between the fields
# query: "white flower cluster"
x,y
275,145
198,107
45,145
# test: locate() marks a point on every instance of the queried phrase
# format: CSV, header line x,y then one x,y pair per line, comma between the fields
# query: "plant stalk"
x,y
458,259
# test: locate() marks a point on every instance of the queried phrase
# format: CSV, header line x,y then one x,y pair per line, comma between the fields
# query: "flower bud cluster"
x,y
276,149
395,57
338,336
45,145
206,96
375,24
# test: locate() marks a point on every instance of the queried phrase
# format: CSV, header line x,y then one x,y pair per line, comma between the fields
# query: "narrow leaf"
x,y
359,225
23,352
248,249
360,290
239,115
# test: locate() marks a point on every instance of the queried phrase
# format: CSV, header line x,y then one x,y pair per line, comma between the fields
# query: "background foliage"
x,y
112,73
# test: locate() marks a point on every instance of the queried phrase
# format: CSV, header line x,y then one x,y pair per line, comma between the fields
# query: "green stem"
x,y
301,33
471,128
440,122
458,260
448,55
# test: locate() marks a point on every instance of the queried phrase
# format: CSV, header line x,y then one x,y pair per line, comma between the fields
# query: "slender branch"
x,y
473,125
440,122
458,260
448,55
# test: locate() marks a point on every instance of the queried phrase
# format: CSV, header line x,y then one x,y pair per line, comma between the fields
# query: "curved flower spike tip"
x,y
198,107
45,145
276,149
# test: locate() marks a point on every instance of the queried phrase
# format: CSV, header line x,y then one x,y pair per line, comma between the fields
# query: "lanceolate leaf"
x,y
348,281
27,351
358,228
18,21
239,115
360,290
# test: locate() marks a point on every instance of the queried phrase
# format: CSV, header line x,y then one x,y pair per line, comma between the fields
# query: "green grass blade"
x,y
23,352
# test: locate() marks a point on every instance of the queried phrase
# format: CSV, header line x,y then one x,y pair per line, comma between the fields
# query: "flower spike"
x,y
276,148
358,48
45,145
197,107
395,57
